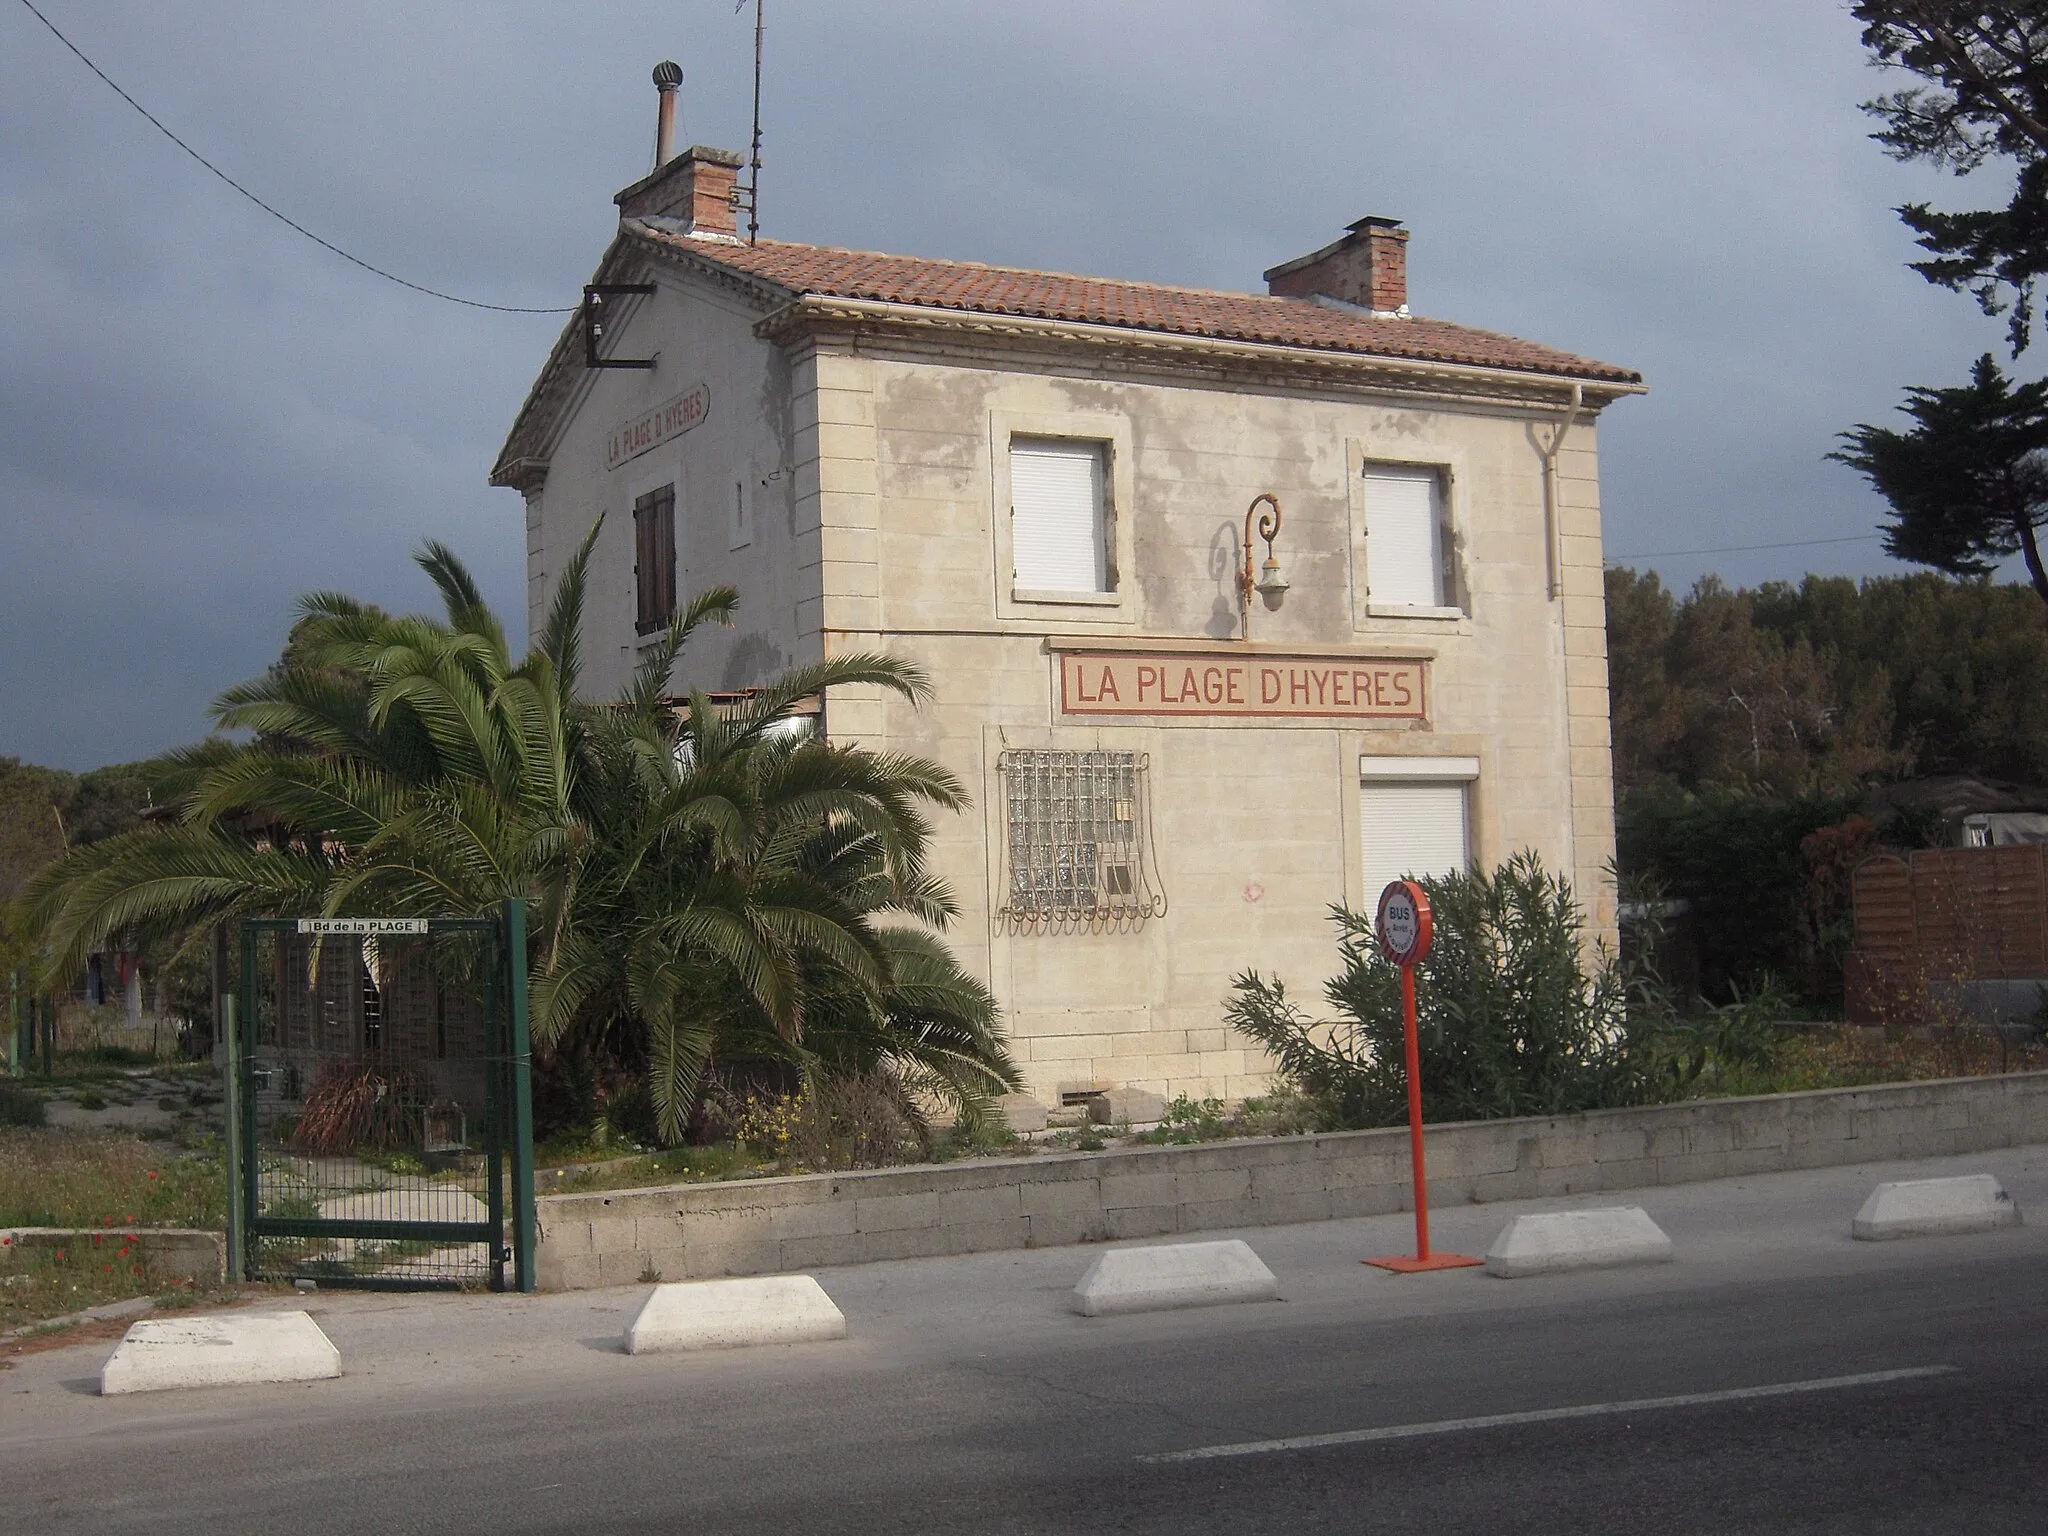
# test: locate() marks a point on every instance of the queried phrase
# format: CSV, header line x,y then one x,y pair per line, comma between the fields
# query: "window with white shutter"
x,y
1404,537
1059,524
1413,818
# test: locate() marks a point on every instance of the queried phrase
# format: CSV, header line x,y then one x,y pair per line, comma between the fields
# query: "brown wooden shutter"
x,y
654,560
643,563
665,551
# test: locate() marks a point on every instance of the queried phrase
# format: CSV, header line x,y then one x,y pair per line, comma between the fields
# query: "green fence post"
x,y
13,1023
232,1100
523,1236
245,1035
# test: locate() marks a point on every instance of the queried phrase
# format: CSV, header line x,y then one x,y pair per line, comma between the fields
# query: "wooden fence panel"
x,y
1949,915
1881,892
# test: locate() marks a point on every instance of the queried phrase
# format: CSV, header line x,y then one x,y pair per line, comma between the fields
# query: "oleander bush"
x,y
1513,1019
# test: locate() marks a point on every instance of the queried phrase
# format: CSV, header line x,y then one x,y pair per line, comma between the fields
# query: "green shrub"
x,y
20,1107
1742,861
1511,1024
363,1106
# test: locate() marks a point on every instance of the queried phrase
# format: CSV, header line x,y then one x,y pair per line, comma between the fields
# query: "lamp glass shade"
x,y
1272,585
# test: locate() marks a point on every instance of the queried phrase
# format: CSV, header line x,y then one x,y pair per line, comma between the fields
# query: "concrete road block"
x,y
1127,1106
1551,1241
1022,1112
1975,1202
731,1314
231,1349
1173,1275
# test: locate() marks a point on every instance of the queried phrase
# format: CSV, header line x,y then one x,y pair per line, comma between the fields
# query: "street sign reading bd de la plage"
x,y
1404,925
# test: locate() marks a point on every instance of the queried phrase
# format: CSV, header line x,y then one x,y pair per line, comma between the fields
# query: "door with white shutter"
x,y
1414,818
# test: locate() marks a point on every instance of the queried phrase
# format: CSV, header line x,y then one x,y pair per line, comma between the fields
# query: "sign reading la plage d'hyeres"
x,y
656,425
1209,683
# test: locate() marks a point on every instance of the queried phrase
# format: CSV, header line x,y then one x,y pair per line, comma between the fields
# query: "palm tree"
x,y
703,882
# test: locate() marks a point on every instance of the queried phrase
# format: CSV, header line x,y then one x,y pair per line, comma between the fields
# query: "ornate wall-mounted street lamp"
x,y
1270,585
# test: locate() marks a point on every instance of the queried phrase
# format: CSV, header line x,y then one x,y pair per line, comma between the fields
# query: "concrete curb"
x,y
733,1314
1973,1202
227,1350
1549,1242
1173,1275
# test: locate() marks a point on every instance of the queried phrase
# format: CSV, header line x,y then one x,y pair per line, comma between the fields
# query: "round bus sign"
x,y
1404,925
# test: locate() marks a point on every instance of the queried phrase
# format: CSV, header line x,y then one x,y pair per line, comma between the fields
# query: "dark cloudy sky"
x,y
203,415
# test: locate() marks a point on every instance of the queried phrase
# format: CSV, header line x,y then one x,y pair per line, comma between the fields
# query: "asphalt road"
x,y
1035,1421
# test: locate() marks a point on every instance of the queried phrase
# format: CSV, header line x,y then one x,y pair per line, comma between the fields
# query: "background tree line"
x,y
1824,686
45,812
1752,725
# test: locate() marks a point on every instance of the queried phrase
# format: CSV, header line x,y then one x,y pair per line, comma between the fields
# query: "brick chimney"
x,y
1367,268
696,188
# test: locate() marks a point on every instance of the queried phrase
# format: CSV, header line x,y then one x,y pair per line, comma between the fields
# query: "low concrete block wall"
x,y
759,1226
170,1253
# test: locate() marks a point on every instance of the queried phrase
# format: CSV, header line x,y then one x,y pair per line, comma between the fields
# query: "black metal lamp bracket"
x,y
592,313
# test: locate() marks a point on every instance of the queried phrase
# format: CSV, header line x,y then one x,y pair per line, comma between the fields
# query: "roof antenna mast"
x,y
749,196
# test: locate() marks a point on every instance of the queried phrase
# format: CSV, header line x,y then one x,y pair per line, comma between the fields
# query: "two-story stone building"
x,y
1036,486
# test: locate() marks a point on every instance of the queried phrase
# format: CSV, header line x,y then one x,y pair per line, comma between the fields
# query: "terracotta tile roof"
x,y
972,287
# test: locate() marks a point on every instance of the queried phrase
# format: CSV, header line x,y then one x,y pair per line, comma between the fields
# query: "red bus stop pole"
x,y
1415,1115
1405,932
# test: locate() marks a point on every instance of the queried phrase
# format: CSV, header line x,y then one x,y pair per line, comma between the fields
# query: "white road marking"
x,y
1545,1415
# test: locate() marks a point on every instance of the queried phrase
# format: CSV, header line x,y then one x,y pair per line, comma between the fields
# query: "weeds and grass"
x,y
116,1184
979,1136
678,1165
91,1098
1285,1111
37,1284
566,1167
90,1069
60,1178
1845,1057
120,1056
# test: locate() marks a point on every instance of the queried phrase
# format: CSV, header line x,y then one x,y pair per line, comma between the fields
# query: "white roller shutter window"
x,y
1057,539
1409,829
1403,537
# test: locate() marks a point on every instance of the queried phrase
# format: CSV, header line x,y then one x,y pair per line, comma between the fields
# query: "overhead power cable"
x,y
432,293
1739,549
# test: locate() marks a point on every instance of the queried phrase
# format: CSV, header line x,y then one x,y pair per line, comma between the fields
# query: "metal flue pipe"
x,y
668,78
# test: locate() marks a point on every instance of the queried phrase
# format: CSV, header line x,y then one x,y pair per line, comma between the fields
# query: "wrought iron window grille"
x,y
1077,842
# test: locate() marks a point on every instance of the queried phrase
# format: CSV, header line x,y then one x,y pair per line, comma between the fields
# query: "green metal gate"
x,y
379,1108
